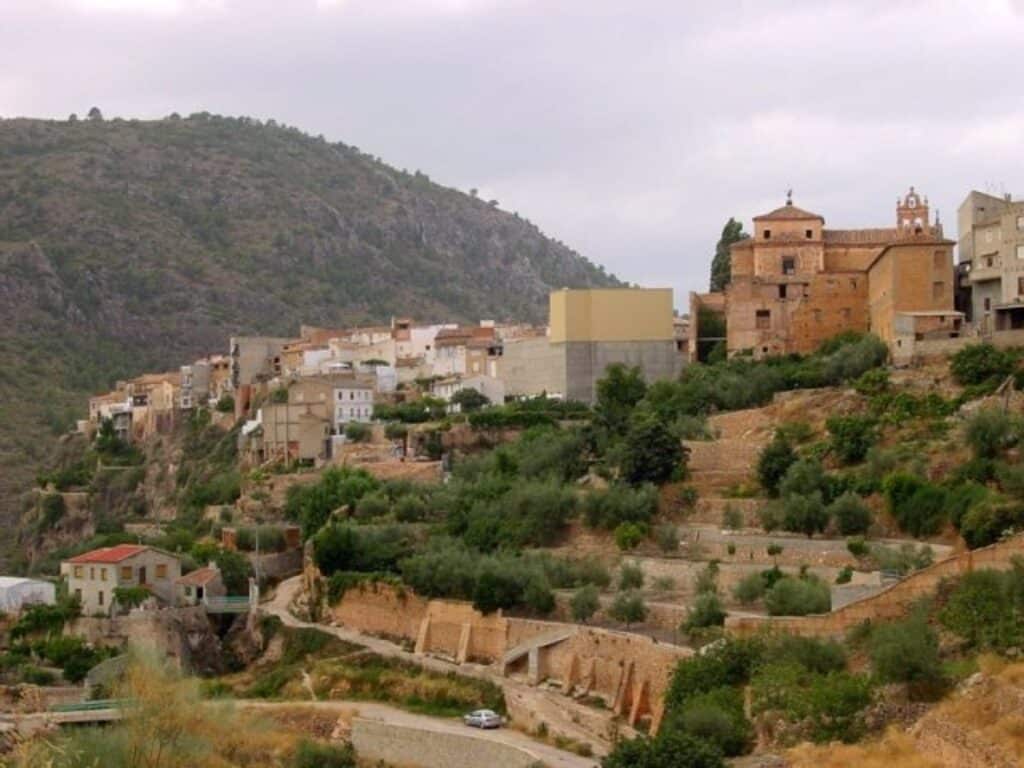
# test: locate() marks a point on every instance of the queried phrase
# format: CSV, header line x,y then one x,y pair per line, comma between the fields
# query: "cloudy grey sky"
x,y
629,129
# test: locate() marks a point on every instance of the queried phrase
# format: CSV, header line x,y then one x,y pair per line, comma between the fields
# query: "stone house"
x,y
194,587
93,576
796,283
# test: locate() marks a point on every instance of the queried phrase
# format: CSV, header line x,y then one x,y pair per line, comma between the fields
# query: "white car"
x,y
483,718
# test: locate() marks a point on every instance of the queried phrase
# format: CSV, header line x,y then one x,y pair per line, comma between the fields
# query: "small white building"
x,y
488,386
17,593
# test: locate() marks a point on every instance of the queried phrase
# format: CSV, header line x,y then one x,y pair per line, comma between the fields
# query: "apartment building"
x,y
990,232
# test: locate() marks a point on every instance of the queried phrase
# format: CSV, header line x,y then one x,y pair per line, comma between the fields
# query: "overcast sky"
x,y
631,130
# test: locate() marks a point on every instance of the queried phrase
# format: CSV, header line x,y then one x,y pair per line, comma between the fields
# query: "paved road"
x,y
556,710
550,756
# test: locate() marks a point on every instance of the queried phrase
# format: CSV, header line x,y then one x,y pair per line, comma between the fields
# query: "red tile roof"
x,y
199,577
109,554
788,212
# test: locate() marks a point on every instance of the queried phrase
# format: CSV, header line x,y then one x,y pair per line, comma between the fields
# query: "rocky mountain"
x,y
137,245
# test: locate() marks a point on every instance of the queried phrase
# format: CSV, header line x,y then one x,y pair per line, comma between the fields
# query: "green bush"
x,y
312,505
791,596
652,454
631,576
989,521
357,432
670,749
585,603
990,431
851,437
803,478
620,504
667,537
226,404
749,589
312,754
986,608
706,611
339,547
850,513
805,514
775,460
131,597
395,431
919,507
410,509
628,607
980,363
629,535
857,546
51,509
373,504
905,652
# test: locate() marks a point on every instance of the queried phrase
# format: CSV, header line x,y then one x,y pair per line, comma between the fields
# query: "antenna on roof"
x,y
789,196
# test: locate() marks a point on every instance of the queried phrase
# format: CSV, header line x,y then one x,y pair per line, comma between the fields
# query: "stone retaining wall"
x,y
889,604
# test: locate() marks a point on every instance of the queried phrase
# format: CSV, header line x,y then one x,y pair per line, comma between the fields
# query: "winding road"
x,y
557,713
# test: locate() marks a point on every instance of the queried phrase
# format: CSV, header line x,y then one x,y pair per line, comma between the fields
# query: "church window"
x,y
809,234
782,291
763,319
788,265
1020,286
767,234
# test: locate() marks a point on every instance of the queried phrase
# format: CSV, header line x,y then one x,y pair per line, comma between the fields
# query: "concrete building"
x,y
93,576
255,358
795,283
990,233
590,330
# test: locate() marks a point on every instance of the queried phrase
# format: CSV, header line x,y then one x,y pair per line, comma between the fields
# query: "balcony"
x,y
982,274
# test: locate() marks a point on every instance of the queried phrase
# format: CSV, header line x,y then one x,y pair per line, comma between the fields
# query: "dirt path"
x,y
550,756
560,713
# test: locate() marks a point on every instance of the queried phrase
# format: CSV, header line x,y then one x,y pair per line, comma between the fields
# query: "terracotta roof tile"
x,y
199,577
788,212
109,554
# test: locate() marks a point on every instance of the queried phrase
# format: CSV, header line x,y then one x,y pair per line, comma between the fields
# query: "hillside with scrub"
x,y
743,492
130,246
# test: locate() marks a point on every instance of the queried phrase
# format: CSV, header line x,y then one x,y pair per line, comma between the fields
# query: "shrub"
x,y
873,382
903,560
620,504
803,478
226,404
805,514
773,463
791,596
989,521
51,508
584,603
749,589
667,537
673,747
395,431
717,717
707,579
652,453
131,597
857,546
538,596
989,432
918,506
410,509
628,608
631,576
814,655
372,505
629,535
357,433
851,437
706,611
985,608
851,514
980,363
845,575
732,518
313,754
688,496
905,652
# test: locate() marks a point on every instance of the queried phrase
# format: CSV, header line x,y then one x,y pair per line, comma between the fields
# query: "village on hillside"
x,y
793,515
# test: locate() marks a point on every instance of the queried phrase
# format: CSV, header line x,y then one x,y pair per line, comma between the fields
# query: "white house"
x,y
93,576
353,400
17,593
488,386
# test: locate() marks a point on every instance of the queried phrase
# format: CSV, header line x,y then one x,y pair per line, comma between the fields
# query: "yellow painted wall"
x,y
613,314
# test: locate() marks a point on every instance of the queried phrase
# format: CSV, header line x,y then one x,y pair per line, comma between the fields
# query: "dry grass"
x,y
893,749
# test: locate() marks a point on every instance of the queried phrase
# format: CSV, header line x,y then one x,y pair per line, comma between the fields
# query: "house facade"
x,y
195,587
991,254
93,576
